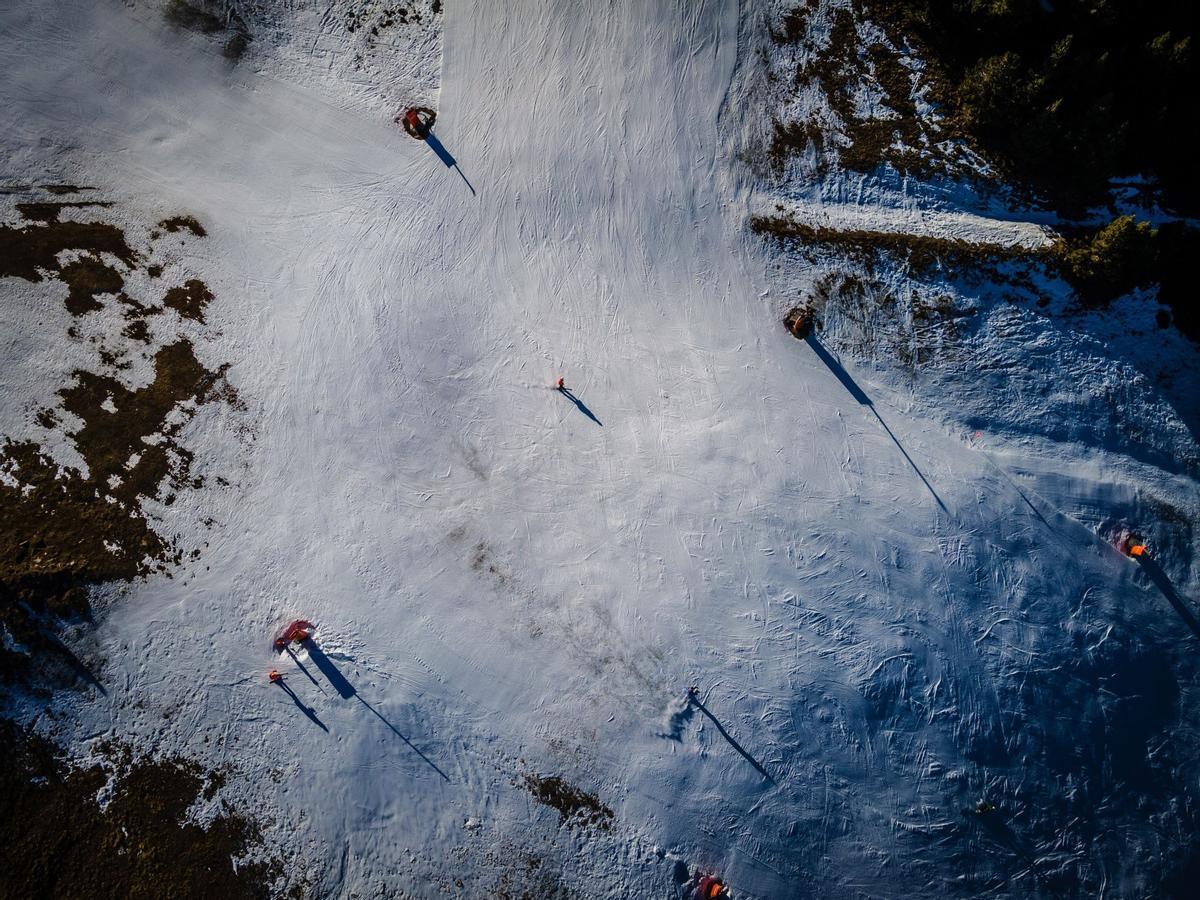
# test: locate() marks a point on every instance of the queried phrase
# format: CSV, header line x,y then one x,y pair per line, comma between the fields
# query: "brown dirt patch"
x,y
60,189
181,223
63,530
573,804
190,300
24,252
1099,263
192,18
88,277
48,212
841,65
920,254
137,330
55,841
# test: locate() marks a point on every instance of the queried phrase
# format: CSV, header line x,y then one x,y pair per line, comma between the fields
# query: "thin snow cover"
x,y
376,56
885,622
908,219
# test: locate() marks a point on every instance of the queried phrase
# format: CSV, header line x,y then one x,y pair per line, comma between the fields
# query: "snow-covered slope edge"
x,y
1089,415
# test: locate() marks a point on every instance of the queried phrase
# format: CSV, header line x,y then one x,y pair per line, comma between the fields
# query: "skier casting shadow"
x,y
694,700
566,392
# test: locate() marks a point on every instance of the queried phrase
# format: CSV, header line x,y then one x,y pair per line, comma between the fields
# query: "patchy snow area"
x,y
890,611
377,56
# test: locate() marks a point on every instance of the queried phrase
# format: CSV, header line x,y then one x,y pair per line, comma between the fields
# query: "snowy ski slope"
x,y
507,583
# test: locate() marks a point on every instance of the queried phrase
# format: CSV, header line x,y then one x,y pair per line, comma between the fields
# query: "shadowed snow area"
x,y
510,588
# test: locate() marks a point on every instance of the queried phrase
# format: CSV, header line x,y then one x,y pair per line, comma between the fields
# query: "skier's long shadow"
x,y
857,393
447,160
736,746
346,690
396,731
566,392
1163,583
304,708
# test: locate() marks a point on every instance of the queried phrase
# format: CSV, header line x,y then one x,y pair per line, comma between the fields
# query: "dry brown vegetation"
x,y
573,804
841,65
56,841
64,530
1099,263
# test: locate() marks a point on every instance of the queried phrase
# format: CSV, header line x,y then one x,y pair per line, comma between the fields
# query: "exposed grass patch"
x,y
62,530
87,277
176,224
190,300
921,254
200,18
56,841
192,18
873,320
60,189
236,46
841,66
25,252
573,804
48,212
792,26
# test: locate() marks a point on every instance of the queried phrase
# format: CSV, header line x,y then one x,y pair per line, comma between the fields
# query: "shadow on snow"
x,y
1155,573
447,160
346,690
302,706
857,393
725,734
566,392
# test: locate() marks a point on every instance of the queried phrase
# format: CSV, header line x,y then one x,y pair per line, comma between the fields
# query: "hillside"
x,y
843,616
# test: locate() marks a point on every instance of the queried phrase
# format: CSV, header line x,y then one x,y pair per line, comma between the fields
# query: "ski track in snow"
x,y
510,584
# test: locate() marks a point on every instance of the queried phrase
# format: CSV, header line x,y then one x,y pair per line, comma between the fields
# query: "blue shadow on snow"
x,y
857,393
1155,573
303,707
447,160
346,690
566,392
725,734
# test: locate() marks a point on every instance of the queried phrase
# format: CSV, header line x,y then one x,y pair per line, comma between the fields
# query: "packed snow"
x,y
893,593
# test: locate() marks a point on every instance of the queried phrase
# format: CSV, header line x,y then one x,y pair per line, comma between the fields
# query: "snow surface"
x,y
890,617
